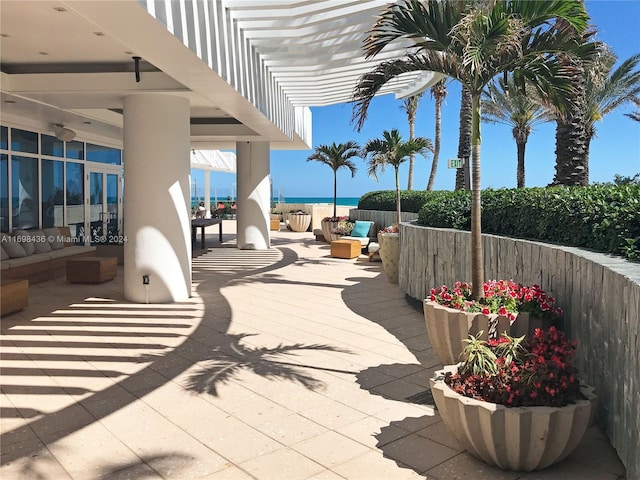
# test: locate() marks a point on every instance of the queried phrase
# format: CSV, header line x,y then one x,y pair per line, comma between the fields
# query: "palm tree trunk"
x,y
464,140
571,158
398,196
477,260
520,170
436,149
335,192
412,157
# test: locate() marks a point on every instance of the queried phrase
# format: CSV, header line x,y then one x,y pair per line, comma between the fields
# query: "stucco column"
x,y
207,193
252,160
157,210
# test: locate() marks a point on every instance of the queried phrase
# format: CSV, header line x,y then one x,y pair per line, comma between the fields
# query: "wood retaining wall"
x,y
599,293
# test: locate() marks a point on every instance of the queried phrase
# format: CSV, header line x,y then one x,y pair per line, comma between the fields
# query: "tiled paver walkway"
x,y
286,364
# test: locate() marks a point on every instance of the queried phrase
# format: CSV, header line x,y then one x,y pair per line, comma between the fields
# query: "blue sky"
x,y
616,149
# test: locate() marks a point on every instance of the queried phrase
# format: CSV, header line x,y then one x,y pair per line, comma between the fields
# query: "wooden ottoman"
x,y
274,225
346,248
92,269
14,296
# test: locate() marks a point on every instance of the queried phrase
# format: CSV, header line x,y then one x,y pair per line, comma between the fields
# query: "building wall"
x,y
599,293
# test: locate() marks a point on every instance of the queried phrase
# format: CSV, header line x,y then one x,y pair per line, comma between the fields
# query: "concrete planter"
x,y
326,231
519,438
526,324
448,327
299,222
390,254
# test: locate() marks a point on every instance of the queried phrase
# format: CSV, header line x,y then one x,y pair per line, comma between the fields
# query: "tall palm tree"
x,y
336,156
410,106
504,102
472,44
392,150
607,89
439,93
463,175
570,130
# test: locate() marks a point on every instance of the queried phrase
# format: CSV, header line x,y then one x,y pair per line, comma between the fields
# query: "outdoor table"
x,y
203,223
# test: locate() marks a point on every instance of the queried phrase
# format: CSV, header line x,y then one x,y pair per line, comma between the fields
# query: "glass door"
x,y
104,205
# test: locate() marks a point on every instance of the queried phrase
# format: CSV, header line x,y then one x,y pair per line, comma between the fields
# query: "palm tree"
x,y
410,106
503,102
603,90
570,130
472,44
463,175
392,150
439,93
336,156
607,89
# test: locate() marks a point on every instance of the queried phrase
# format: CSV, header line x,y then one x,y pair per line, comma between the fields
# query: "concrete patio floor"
x,y
286,364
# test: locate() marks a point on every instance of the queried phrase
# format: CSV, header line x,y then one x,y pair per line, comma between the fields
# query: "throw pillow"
x,y
12,247
26,240
361,229
54,237
42,245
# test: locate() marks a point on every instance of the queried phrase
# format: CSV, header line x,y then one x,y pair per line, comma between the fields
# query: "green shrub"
x,y
605,218
385,200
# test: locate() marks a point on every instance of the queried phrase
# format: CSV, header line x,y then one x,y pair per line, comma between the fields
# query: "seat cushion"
x,y
54,237
42,243
360,229
27,240
12,247
364,241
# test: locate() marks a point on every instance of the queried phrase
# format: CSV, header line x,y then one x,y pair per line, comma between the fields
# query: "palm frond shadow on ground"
x,y
234,357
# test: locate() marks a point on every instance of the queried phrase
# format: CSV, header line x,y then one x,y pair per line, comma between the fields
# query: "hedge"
x,y
604,218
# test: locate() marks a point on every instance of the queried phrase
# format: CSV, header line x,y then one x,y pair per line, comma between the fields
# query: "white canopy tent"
x,y
212,161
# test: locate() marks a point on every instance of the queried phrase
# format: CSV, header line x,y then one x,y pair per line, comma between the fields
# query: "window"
x,y
101,154
23,141
52,146
4,138
52,193
24,192
75,150
4,192
75,198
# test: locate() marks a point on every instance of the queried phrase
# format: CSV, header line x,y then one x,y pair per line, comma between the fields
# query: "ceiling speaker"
x,y
64,134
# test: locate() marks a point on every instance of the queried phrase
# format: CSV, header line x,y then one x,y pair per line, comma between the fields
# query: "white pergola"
x,y
213,74
212,161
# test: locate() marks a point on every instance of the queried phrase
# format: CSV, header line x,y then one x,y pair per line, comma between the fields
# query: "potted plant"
x,y
336,156
392,150
515,403
335,227
299,221
451,314
389,251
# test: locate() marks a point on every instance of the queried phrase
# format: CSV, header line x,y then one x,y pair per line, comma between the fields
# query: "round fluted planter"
x,y
390,254
448,327
526,324
516,438
299,222
326,227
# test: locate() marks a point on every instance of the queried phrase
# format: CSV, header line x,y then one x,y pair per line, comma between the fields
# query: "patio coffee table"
x,y
14,296
346,248
92,269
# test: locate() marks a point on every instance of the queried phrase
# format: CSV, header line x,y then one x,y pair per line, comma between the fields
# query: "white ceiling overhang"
x,y
250,68
213,161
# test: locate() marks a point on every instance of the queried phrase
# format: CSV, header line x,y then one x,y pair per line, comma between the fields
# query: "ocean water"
x,y
342,201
